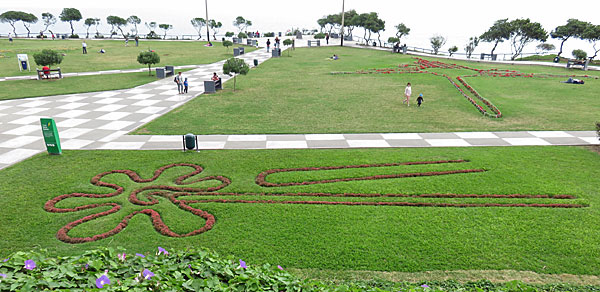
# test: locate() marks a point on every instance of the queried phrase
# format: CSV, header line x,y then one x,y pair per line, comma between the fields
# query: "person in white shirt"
x,y
84,46
407,93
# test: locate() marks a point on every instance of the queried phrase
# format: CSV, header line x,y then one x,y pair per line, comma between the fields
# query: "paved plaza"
x,y
102,120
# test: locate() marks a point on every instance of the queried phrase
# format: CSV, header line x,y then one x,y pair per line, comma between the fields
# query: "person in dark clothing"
x,y
420,99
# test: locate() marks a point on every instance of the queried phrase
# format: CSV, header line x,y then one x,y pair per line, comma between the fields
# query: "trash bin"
x,y
63,36
24,65
374,44
189,141
222,39
255,62
556,59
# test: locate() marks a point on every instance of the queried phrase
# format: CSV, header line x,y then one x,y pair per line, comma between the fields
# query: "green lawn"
x,y
117,56
79,84
329,237
299,95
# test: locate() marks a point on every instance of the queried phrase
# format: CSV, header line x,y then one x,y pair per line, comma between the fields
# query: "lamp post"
x,y
342,39
207,29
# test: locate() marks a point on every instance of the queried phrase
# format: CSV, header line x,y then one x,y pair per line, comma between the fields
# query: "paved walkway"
x,y
101,120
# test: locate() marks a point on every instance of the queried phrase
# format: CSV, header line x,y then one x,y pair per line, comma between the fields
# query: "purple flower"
x,y
140,255
103,280
425,286
147,274
5,260
279,267
3,276
29,264
162,250
122,256
243,264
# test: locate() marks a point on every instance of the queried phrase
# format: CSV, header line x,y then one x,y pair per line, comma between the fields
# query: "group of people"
x,y
408,93
276,45
183,85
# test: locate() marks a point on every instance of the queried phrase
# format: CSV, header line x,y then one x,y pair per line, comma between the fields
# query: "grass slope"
x,y
377,238
299,95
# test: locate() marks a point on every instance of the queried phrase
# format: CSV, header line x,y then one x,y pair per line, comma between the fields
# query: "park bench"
x,y
316,42
211,86
165,72
52,73
238,51
492,57
399,49
250,42
583,63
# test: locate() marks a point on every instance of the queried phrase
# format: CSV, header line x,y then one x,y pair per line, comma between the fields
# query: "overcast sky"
x,y
456,20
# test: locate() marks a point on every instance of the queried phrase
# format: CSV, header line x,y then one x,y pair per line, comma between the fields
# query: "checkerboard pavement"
x,y
101,120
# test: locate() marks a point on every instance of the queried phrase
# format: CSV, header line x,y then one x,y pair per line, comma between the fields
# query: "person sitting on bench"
x,y
215,77
46,71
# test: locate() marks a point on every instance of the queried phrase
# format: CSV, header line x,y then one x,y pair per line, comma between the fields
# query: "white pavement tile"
x,y
24,130
147,102
447,142
151,110
122,145
286,144
211,145
401,136
591,140
526,141
108,100
476,135
170,138
19,142
247,138
110,108
169,92
368,143
16,155
176,97
71,123
73,98
73,133
72,114
107,94
166,87
75,144
116,125
36,103
113,136
141,96
30,111
550,134
114,116
137,91
313,137
26,120
72,105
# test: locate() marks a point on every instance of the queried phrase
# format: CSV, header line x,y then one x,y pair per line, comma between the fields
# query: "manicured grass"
x,y
79,84
299,95
376,238
117,56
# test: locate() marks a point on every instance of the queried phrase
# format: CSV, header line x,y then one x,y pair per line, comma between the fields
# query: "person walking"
x,y
84,47
137,40
276,42
268,45
407,93
10,40
420,100
179,81
185,85
327,37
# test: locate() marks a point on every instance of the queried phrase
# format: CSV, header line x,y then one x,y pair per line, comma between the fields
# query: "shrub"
x,y
287,42
148,58
269,34
320,36
452,50
47,58
227,44
74,36
229,34
99,36
242,35
579,54
235,66
153,36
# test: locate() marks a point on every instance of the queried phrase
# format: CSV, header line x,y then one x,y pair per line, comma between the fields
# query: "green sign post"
x,y
51,136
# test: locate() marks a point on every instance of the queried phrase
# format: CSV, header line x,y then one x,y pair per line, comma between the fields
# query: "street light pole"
x,y
342,43
207,30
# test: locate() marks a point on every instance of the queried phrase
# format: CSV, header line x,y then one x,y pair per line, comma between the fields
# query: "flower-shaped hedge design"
x,y
150,192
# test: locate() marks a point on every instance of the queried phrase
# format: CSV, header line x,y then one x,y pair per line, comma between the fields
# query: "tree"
x,y
116,21
97,22
69,15
401,30
287,42
165,27
11,17
148,58
437,42
499,32
242,35
545,47
152,30
523,32
393,40
229,34
322,22
215,26
89,22
592,35
135,21
372,24
573,28
48,19
235,66
470,48
242,23
227,44
350,21
28,19
47,58
198,24
579,54
452,50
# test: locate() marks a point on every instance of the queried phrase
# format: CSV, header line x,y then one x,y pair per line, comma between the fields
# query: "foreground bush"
x,y
196,270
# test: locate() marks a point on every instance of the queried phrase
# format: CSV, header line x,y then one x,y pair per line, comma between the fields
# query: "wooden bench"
x,y
52,73
583,63
211,86
317,42
165,72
